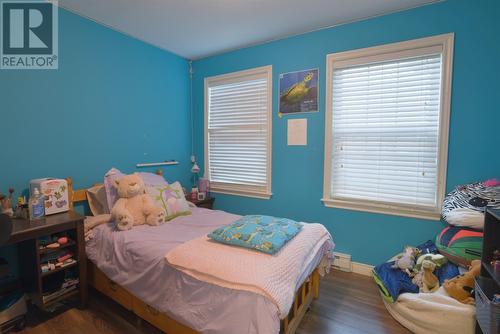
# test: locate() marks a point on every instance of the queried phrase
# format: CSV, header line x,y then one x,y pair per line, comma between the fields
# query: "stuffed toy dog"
x,y
430,282
461,286
134,207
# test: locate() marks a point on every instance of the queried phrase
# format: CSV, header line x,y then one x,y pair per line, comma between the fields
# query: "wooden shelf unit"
x,y
27,233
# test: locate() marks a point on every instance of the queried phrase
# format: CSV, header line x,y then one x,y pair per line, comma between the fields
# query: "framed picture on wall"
x,y
298,92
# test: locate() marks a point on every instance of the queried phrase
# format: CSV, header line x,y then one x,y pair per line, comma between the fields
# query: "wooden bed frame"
x,y
304,296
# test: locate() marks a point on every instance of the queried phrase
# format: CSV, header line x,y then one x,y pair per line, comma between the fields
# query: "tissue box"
x,y
55,192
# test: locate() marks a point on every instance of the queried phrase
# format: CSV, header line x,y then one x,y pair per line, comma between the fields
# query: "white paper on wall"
x,y
297,131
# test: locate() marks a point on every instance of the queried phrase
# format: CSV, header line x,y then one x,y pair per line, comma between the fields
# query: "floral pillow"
x,y
266,234
171,198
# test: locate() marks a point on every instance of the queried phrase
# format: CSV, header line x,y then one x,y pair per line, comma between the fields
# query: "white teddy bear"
x,y
134,207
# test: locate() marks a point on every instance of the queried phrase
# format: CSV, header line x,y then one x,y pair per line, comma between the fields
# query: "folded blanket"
x,y
275,277
263,233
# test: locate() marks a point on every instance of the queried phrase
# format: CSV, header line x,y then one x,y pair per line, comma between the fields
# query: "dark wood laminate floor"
x,y
349,303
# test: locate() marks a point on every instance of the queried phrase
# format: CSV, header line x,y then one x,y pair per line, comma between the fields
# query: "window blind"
x,y
238,133
385,131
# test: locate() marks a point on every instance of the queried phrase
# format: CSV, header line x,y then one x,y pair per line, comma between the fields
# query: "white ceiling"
x,y
195,29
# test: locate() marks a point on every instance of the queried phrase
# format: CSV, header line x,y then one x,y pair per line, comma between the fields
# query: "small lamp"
x,y
195,170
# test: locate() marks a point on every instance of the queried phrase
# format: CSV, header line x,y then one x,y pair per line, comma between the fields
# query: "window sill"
x,y
381,208
244,193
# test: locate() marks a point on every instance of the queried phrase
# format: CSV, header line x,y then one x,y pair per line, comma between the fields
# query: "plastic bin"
x,y
487,313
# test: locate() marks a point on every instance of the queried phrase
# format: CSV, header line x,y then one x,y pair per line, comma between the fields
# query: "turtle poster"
x,y
298,92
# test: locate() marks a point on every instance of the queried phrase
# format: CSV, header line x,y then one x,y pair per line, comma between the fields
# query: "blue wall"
x,y
298,171
114,101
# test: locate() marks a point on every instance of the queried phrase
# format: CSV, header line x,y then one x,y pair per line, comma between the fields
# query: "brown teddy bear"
x,y
461,287
134,207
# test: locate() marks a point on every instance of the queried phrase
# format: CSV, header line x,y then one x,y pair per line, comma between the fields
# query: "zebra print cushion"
x,y
465,205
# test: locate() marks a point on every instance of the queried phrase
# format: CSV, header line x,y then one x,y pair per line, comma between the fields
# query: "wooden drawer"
x,y
158,319
99,281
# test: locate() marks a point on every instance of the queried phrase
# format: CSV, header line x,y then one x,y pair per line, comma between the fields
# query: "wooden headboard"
x,y
75,196
80,195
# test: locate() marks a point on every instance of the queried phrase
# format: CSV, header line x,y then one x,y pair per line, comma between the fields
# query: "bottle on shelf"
x,y
37,205
194,193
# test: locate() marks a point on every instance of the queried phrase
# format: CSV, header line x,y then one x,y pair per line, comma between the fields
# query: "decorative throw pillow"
x,y
171,198
151,179
465,205
460,245
263,233
109,185
98,203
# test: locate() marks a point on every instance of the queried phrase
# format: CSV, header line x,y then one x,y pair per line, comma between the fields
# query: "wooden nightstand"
x,y
207,203
27,234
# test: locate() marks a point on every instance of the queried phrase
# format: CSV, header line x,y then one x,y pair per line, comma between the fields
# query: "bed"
x,y
130,268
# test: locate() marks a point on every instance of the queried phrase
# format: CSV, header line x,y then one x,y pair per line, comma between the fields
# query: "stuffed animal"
x,y
438,259
425,278
405,261
460,287
466,204
134,207
430,282
418,272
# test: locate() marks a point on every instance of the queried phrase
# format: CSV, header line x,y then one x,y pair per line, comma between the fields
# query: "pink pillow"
x,y
109,185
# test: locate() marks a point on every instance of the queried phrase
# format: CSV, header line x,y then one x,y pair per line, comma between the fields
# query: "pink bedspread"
x,y
135,259
273,276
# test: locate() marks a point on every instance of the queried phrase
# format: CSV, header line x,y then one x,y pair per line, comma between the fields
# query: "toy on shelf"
x,y
54,242
6,203
22,210
62,240
461,287
495,261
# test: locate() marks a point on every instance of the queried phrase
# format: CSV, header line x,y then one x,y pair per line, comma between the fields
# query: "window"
x,y
387,116
238,132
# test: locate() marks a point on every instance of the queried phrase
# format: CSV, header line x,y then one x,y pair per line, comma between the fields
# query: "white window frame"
x,y
444,43
233,189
